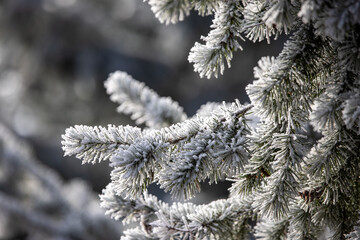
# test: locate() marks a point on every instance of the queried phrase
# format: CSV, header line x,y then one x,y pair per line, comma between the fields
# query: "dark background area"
x,y
56,54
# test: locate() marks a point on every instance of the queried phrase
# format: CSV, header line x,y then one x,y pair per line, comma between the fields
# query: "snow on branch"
x,y
283,83
283,183
258,167
187,150
171,11
215,219
281,14
142,103
96,144
334,19
332,155
219,145
193,150
221,42
270,229
351,110
135,167
158,220
206,7
298,165
301,225
349,52
141,209
253,23
137,234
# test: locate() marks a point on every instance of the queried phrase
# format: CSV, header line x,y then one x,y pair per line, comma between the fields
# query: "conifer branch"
x,y
142,103
298,164
95,144
221,42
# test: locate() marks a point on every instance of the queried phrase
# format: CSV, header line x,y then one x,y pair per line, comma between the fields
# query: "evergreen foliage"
x,y
291,185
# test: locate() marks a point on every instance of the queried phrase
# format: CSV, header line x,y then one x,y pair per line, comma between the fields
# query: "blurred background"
x,y
54,58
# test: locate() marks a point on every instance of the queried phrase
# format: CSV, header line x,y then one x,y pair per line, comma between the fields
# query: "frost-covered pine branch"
x,y
142,103
158,220
221,42
95,144
295,171
195,149
173,11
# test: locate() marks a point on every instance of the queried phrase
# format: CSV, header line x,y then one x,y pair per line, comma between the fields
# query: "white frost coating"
x,y
118,207
135,166
283,182
282,84
95,144
219,146
221,42
142,103
351,111
349,53
268,228
206,7
302,180
264,67
208,108
331,21
179,156
253,23
171,11
325,114
307,11
280,15
136,234
214,220
158,220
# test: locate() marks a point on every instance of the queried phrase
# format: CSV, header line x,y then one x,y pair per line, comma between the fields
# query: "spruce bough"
x,y
293,154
